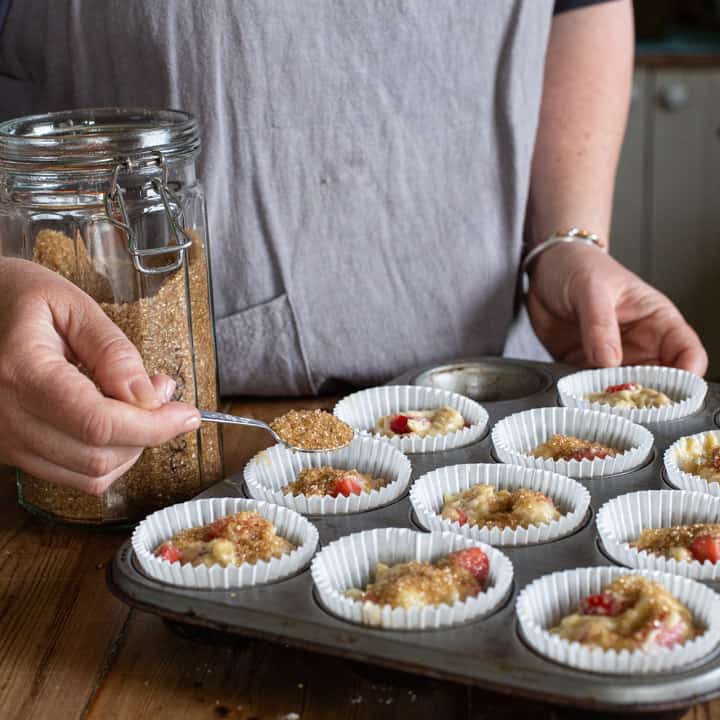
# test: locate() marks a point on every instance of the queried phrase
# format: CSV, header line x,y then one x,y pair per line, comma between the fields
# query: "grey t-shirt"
x,y
366,162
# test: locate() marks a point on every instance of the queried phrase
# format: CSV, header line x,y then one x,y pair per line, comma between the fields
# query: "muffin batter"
x,y
332,481
568,447
632,613
700,457
489,507
245,537
630,395
441,421
454,578
686,543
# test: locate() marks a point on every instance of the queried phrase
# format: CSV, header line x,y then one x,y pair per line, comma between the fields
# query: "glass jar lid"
x,y
97,138
113,148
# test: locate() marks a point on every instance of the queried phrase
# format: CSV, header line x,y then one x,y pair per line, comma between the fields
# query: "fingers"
x,y
113,361
655,332
681,348
599,328
52,454
64,451
60,395
46,470
165,387
57,424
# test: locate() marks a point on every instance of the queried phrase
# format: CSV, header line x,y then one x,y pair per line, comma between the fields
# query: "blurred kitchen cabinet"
x,y
666,222
685,218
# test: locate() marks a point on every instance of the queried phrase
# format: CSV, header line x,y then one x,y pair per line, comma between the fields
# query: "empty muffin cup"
x,y
272,470
428,493
163,524
620,522
349,563
363,409
485,380
685,390
516,436
546,601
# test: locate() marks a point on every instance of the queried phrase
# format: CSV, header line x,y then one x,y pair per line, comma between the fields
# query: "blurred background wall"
x,y
666,222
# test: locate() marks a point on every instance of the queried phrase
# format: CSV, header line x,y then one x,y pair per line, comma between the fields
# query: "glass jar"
x,y
109,199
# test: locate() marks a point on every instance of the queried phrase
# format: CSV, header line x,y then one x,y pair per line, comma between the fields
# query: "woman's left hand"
x,y
587,309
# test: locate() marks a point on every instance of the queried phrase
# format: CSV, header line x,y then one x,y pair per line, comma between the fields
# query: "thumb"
x,y
113,361
597,320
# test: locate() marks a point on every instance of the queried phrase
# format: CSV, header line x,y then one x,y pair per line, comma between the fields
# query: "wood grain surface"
x,y
68,649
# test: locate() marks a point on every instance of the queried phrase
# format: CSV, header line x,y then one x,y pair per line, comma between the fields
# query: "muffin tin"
x,y
488,652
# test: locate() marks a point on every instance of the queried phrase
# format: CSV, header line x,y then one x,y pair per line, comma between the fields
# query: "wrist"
x,y
561,241
561,259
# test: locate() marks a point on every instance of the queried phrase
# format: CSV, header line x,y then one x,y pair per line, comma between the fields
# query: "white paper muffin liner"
x,y
621,520
570,497
544,602
363,409
271,470
673,459
515,436
163,524
348,563
687,389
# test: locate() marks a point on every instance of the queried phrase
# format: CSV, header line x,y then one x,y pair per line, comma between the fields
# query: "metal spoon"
x,y
218,417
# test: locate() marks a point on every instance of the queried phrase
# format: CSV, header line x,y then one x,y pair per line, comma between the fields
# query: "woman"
x,y
371,170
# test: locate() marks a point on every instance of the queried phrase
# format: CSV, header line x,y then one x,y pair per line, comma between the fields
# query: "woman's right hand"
x,y
55,423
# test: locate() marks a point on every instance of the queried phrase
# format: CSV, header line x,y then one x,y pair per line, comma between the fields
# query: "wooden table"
x,y
69,649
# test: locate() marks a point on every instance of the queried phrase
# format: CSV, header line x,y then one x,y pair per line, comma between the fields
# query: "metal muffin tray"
x,y
488,652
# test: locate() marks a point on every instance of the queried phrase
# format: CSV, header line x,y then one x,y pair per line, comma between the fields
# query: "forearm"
x,y
588,77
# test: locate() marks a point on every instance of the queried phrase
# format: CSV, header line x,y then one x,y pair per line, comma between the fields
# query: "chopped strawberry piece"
x,y
602,604
473,560
167,551
462,517
621,387
346,485
669,636
217,529
399,424
589,454
706,547
467,424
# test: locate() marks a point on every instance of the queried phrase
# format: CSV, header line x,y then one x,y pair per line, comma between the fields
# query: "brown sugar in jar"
x,y
153,282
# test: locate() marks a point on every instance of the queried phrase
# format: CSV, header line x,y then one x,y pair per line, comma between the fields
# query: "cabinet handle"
x,y
674,97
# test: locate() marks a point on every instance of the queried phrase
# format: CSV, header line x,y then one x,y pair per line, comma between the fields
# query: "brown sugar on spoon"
x,y
312,430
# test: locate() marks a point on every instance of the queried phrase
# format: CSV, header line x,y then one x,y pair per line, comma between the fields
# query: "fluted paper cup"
x,y
571,499
163,524
271,470
546,601
680,453
685,389
515,437
350,561
621,520
363,409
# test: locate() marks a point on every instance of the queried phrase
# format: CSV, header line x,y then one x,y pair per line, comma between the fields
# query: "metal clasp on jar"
x,y
114,198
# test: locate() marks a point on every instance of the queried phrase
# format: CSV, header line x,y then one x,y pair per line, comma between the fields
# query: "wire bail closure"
x,y
115,206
